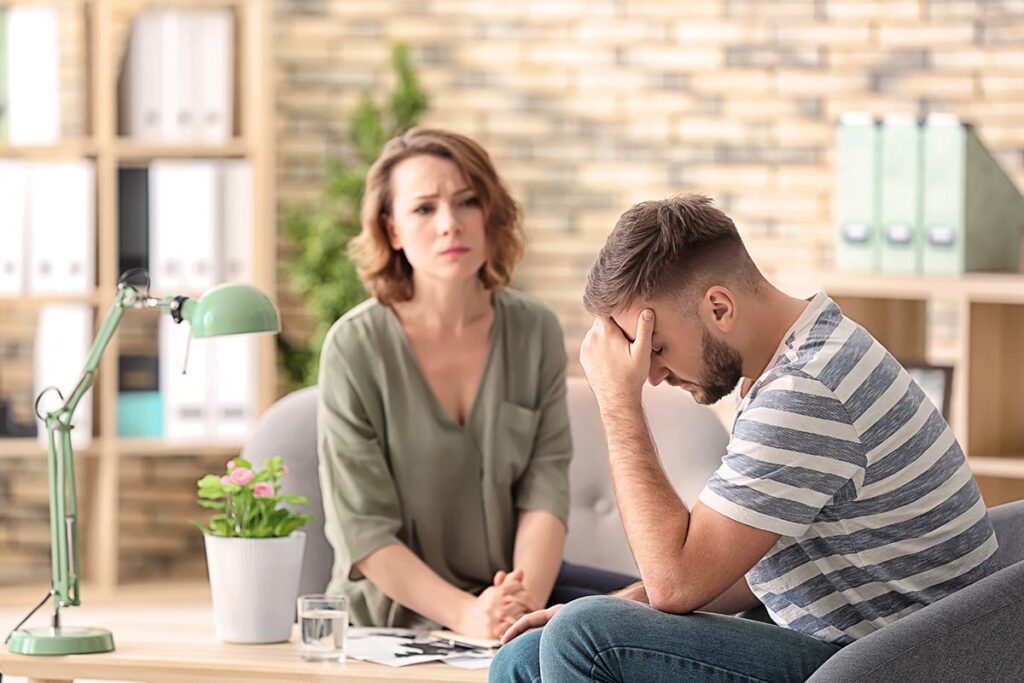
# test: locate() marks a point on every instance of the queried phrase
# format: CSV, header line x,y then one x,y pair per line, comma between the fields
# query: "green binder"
x,y
900,196
856,207
4,109
972,212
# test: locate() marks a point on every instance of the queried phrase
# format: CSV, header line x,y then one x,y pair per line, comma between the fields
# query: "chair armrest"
x,y
972,635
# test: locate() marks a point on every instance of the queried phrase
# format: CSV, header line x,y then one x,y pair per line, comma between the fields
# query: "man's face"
x,y
684,352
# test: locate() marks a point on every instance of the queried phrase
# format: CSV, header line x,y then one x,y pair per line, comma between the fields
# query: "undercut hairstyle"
x,y
672,248
386,272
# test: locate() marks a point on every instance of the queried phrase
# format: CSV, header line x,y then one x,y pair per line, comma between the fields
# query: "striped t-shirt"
x,y
837,449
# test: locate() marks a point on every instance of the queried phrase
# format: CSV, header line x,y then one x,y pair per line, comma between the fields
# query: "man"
x,y
844,501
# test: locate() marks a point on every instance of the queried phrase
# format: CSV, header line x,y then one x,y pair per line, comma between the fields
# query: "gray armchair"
x,y
976,635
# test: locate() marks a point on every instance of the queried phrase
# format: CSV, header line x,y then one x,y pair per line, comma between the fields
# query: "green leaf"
x,y
242,462
213,505
295,499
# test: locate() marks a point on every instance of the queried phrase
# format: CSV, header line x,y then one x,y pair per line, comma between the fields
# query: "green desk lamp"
x,y
231,308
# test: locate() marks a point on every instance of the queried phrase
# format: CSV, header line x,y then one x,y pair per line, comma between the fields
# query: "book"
x,y
467,641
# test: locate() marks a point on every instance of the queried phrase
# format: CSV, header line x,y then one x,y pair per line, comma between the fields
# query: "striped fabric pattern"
x,y
837,449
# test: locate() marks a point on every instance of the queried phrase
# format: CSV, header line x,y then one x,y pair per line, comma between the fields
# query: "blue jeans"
x,y
602,638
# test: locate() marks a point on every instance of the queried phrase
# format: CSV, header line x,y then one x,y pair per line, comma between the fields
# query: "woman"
x,y
442,427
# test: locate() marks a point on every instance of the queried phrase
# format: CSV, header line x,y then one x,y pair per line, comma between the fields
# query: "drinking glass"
x,y
323,620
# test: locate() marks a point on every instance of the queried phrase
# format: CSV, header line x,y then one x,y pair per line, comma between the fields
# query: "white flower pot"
x,y
254,583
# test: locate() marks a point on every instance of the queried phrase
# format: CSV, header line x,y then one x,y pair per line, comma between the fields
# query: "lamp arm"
x,y
64,552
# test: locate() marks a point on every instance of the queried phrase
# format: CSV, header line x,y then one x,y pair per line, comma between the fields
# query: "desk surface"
x,y
174,643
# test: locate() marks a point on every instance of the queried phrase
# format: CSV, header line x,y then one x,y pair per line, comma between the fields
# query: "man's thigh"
x,y
612,639
518,661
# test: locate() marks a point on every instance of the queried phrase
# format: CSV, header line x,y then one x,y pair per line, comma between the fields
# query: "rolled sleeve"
x,y
544,484
361,507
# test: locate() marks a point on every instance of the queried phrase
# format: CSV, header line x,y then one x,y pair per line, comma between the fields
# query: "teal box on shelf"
x,y
140,413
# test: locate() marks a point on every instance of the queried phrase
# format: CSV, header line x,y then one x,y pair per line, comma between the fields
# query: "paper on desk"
x,y
403,647
475,661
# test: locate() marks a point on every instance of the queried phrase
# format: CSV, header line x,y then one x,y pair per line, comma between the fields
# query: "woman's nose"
x,y
445,221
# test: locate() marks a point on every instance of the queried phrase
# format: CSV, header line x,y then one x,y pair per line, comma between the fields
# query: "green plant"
x,y
320,271
246,501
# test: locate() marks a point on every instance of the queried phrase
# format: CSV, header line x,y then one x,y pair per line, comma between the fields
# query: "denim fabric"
x,y
603,638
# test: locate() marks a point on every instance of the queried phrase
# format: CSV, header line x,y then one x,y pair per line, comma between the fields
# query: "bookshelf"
x,y
985,347
118,521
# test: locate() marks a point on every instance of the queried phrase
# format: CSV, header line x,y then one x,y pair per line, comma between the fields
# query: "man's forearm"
x,y
655,519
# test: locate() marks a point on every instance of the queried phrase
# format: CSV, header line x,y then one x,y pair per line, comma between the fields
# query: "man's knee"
x,y
518,661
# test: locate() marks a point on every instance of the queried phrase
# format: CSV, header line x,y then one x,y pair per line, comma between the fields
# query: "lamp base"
x,y
66,640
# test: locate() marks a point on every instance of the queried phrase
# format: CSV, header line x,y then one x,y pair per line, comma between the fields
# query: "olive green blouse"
x,y
396,468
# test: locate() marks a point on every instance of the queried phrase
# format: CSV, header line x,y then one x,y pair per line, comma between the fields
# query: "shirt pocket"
x,y
517,431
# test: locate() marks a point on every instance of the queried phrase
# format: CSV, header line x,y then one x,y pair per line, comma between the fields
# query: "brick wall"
x,y
591,105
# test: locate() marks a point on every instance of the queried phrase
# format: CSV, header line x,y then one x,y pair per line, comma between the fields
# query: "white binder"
x,y
176,70
234,380
32,75
212,80
142,96
12,227
62,225
236,203
63,337
184,222
187,397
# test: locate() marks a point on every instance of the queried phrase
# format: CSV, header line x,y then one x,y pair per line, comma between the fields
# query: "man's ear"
x,y
720,308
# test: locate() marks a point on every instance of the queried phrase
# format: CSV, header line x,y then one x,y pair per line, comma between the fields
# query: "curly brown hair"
x,y
385,271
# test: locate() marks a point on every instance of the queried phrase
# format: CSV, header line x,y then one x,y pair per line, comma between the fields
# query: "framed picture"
x,y
936,381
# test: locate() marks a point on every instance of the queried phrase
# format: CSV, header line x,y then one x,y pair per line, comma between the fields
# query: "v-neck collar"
x,y
497,327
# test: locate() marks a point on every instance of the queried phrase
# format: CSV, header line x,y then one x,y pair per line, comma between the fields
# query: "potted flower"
x,y
253,551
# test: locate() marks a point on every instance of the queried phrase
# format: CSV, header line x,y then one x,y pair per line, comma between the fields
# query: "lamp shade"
x,y
232,308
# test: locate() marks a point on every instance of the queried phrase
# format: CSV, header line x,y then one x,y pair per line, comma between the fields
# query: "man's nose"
x,y
657,373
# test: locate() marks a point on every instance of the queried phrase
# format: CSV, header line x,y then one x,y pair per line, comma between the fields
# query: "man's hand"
x,y
529,621
615,368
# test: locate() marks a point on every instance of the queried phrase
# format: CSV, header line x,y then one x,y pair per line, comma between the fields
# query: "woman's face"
x,y
436,219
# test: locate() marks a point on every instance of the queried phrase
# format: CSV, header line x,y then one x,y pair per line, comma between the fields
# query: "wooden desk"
x,y
175,643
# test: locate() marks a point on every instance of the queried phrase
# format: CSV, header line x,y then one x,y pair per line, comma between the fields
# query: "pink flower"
x,y
262,490
231,465
225,479
241,476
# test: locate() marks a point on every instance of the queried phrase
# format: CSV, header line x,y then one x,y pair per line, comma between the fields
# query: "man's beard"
x,y
723,371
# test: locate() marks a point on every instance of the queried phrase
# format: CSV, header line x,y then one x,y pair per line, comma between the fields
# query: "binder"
x,y
234,382
62,225
186,397
900,196
212,76
972,212
132,218
63,337
175,69
12,227
142,107
4,112
184,223
856,204
32,75
237,219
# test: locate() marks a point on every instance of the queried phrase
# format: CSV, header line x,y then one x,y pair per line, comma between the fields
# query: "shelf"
x,y
31,447
975,287
162,447
134,150
991,466
68,149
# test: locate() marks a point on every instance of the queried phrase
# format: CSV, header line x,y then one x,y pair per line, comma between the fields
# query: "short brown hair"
x,y
666,247
385,271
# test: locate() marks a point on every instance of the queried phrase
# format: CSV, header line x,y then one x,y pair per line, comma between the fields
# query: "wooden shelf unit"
x,y
986,352
107,24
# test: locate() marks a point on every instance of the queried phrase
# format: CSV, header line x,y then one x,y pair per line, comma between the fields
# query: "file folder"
x,y
62,225
972,212
32,75
900,196
63,336
13,229
856,203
